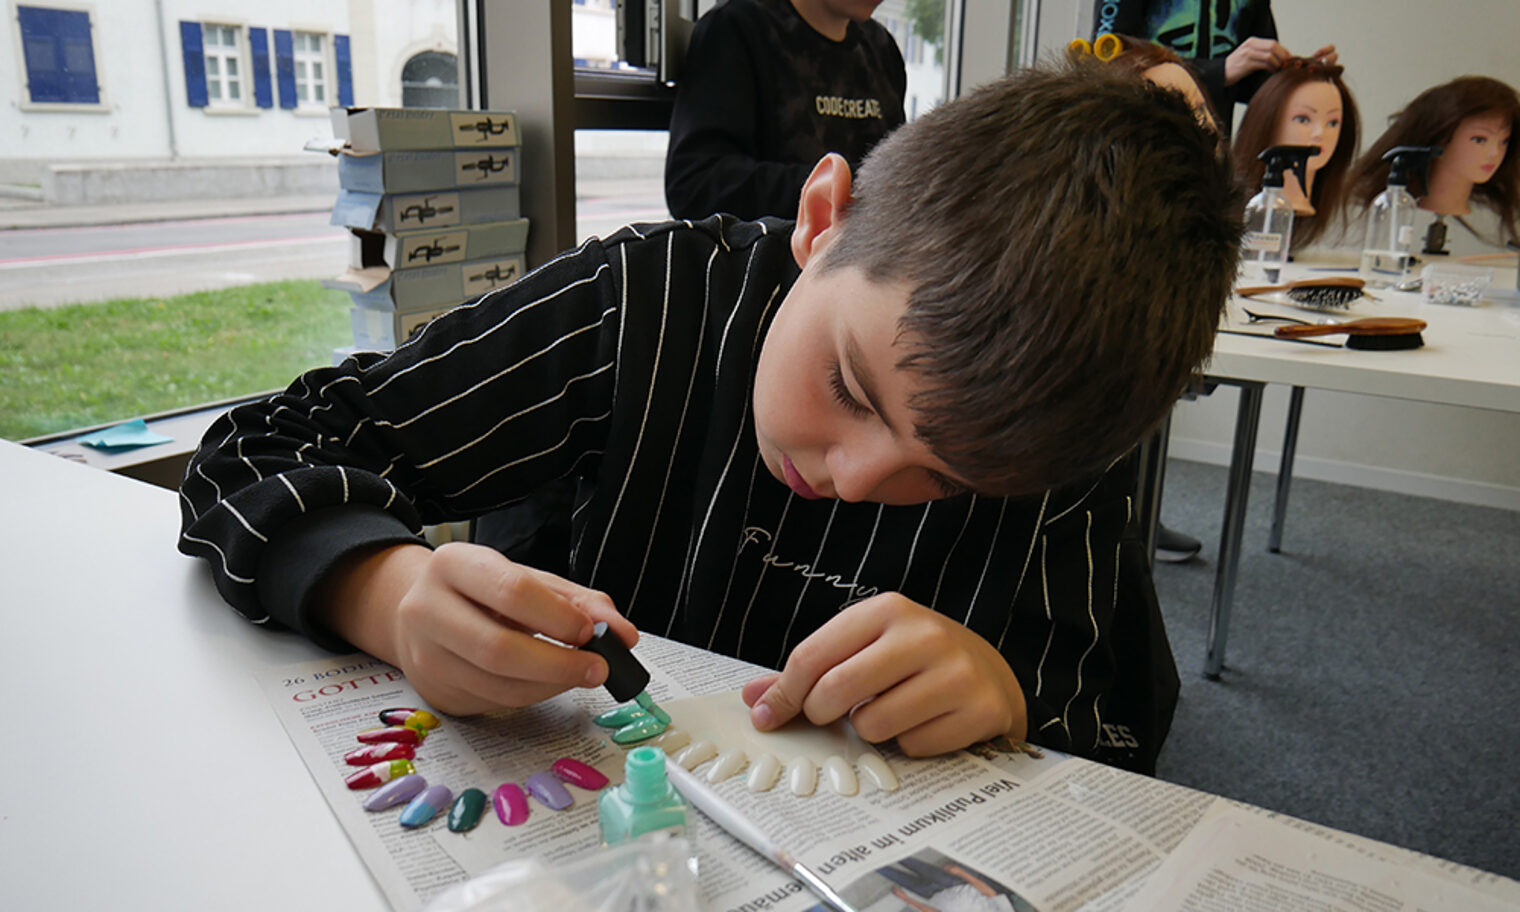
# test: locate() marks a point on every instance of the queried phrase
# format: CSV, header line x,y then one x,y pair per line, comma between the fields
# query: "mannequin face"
x,y
1476,148
1311,117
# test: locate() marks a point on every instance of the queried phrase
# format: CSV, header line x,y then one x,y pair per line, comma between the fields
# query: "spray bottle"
x,y
1389,249
1269,217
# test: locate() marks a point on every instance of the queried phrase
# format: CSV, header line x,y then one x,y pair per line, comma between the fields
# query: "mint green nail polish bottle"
x,y
646,802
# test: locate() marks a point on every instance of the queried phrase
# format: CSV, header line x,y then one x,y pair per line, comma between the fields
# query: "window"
x,y
310,67
430,80
224,71
60,55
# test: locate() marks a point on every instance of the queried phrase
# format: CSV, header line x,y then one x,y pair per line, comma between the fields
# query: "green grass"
x,y
88,364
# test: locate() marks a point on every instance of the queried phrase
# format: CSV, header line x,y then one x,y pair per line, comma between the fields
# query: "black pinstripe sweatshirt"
x,y
628,364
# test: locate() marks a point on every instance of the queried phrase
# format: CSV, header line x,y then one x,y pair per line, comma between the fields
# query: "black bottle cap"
x,y
1280,159
626,677
1405,162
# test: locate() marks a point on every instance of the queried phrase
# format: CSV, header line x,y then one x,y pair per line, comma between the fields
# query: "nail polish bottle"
x,y
645,802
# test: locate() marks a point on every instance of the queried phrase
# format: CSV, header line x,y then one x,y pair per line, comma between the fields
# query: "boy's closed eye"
x,y
851,403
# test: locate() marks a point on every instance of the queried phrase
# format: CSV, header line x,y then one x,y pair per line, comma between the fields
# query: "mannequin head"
x,y
1304,103
1159,65
1470,118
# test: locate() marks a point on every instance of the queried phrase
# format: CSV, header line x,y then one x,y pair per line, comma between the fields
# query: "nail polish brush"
x,y
627,679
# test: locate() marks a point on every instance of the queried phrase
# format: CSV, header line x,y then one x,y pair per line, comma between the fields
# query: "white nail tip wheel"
x,y
695,754
841,778
728,763
802,776
877,772
763,773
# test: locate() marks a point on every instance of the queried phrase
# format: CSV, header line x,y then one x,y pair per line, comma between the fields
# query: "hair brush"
x,y
1328,291
1371,333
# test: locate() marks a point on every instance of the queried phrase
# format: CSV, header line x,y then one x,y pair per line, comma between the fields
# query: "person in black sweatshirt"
x,y
882,448
767,88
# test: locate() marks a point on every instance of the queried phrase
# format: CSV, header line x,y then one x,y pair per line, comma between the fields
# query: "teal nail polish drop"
x,y
646,802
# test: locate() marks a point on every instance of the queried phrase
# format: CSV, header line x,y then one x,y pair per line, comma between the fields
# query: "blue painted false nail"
x,y
550,792
395,792
426,805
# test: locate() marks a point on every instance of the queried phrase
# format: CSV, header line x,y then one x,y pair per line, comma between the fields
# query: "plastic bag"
x,y
647,875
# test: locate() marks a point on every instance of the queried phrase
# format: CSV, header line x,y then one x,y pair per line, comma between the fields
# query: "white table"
x,y
144,768
1471,357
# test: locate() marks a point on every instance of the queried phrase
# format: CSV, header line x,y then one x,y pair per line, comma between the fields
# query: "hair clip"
x,y
1106,48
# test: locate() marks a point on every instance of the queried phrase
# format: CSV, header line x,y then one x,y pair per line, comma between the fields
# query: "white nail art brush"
x,y
728,817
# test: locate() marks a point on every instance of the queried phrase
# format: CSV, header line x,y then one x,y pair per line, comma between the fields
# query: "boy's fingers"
x,y
519,594
831,645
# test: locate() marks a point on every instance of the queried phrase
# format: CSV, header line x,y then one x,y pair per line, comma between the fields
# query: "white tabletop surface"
x,y
144,767
1471,355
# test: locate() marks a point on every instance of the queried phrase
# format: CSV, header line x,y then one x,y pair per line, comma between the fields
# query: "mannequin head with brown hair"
x,y
1304,103
1471,119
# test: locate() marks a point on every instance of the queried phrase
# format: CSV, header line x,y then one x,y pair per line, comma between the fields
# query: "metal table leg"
x,y
1247,414
1148,491
1285,469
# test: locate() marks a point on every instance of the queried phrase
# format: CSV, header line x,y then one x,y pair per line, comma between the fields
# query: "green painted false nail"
x,y
646,727
619,717
466,811
651,707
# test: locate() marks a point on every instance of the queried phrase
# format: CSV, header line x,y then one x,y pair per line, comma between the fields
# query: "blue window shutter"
x,y
59,54
345,70
263,90
195,63
285,67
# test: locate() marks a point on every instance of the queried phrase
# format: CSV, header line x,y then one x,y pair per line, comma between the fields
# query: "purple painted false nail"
x,y
395,792
549,791
511,804
575,772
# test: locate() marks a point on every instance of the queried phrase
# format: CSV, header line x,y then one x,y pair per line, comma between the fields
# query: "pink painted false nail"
x,y
511,803
374,753
579,774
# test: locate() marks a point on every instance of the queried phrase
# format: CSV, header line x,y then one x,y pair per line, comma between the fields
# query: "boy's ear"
x,y
824,198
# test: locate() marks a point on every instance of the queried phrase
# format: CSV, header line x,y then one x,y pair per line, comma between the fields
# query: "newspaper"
x,y
1004,827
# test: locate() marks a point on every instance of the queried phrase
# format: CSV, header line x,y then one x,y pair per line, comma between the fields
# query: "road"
x,y
48,267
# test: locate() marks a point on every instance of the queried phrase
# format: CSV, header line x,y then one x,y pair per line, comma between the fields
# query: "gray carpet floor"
x,y
1372,677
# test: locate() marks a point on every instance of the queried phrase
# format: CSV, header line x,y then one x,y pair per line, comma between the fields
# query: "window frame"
x,y
324,57
245,102
102,104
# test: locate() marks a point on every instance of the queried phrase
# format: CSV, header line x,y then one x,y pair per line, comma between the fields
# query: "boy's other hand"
x,y
463,623
898,670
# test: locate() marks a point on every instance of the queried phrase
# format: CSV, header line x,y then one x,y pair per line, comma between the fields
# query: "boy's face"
x,y
831,406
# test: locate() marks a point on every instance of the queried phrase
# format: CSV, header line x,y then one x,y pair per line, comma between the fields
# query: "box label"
x,y
487,166
427,249
426,210
483,129
483,276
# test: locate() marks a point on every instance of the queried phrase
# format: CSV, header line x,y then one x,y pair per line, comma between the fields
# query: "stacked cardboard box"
x,y
430,199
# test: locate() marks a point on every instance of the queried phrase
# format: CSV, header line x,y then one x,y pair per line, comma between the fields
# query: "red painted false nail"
x,y
398,734
379,774
577,773
413,718
374,753
511,803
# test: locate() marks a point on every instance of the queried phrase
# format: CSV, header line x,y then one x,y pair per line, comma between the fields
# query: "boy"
x,y
793,443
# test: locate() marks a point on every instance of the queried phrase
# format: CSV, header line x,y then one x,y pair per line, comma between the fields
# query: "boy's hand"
x,y
899,670
461,622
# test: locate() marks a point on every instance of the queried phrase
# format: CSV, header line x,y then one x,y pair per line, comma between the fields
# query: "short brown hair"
x,y
1328,194
1070,236
1430,120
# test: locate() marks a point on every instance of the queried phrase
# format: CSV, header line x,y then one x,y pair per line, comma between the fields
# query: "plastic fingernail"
x,y
579,774
394,792
620,716
426,806
728,763
763,773
638,730
672,741
802,776
840,776
374,753
874,767
377,774
398,734
406,715
549,791
466,811
511,803
695,754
